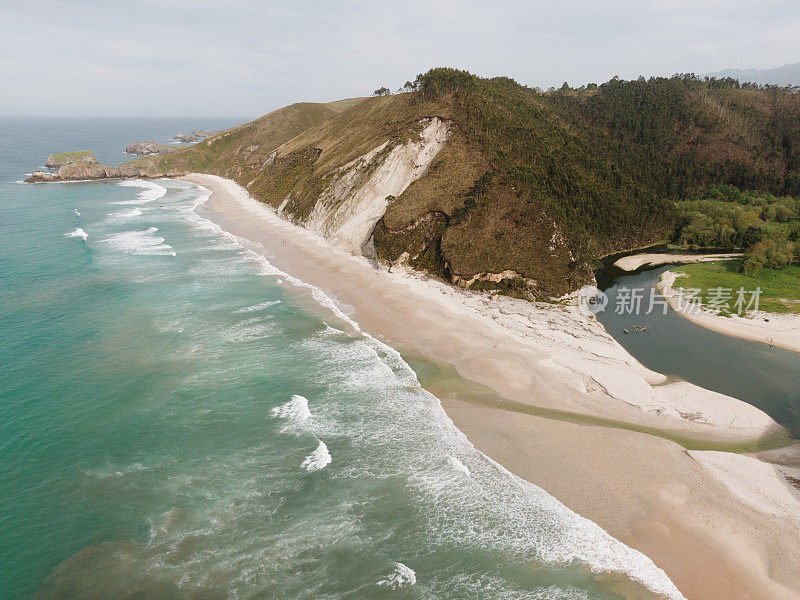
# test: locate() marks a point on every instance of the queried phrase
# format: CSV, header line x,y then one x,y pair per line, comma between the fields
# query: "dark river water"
x,y
764,376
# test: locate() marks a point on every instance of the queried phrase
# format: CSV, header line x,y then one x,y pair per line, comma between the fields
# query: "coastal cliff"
x,y
491,185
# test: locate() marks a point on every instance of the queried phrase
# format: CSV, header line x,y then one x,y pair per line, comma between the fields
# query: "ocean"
x,y
179,421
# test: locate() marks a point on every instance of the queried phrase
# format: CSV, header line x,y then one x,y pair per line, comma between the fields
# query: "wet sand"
x,y
645,490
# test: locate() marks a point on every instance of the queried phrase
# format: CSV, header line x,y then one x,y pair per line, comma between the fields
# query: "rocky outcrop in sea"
x,y
59,159
195,136
82,166
147,148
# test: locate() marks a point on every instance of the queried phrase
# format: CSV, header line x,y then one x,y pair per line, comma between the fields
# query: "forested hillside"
x,y
604,164
493,185
765,226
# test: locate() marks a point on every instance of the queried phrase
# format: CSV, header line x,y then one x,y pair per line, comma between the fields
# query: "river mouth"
x,y
761,375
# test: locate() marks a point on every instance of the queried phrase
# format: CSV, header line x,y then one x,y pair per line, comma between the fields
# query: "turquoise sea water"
x,y
179,421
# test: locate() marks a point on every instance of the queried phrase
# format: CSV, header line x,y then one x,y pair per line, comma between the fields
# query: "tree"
x,y
382,91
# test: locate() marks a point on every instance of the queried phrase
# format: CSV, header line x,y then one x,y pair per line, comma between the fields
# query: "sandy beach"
x,y
693,515
781,330
636,261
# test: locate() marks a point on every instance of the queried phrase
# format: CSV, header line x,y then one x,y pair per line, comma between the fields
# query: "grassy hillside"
x,y
64,158
241,151
531,186
780,292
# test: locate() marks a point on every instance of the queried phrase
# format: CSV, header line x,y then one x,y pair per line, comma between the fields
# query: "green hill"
x,y
493,185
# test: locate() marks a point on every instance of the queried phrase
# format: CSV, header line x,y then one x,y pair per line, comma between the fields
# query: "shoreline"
x,y
681,516
782,331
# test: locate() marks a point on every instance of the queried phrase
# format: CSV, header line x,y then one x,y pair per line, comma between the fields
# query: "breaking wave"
x,y
150,191
140,242
78,233
402,576
259,306
126,214
318,459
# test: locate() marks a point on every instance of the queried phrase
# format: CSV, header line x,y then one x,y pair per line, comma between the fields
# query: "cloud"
x,y
246,57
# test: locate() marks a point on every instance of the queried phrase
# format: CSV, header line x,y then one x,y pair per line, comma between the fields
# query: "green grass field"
x,y
780,288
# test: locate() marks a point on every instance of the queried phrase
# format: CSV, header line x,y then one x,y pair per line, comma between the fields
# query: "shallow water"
x,y
179,424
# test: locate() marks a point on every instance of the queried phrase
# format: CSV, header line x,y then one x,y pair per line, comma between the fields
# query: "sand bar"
x,y
644,490
637,261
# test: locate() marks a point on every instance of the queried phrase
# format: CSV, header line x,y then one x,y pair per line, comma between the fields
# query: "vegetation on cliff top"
x,y
605,164
532,184
58,159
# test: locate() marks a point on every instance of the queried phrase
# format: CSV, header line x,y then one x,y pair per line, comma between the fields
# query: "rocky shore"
x,y
83,166
147,148
196,136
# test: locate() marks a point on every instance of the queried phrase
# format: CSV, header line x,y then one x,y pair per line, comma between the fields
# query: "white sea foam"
x,y
127,214
250,330
295,410
150,191
259,306
140,242
117,472
402,576
318,459
522,518
77,212
78,233
458,465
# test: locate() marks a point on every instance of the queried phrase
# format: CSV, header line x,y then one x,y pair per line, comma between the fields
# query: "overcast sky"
x,y
245,58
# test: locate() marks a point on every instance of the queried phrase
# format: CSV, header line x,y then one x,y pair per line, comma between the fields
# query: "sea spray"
x,y
402,576
78,233
295,410
318,459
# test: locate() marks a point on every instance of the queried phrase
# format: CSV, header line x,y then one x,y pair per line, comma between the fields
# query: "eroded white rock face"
x,y
347,211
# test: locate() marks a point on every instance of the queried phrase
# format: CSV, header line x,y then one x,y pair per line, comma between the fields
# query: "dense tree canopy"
x,y
765,226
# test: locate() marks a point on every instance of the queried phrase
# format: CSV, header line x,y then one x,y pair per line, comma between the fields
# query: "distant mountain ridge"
x,y
787,75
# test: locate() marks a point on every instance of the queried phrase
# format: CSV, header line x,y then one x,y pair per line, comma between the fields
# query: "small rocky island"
x,y
196,136
147,148
59,159
82,165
